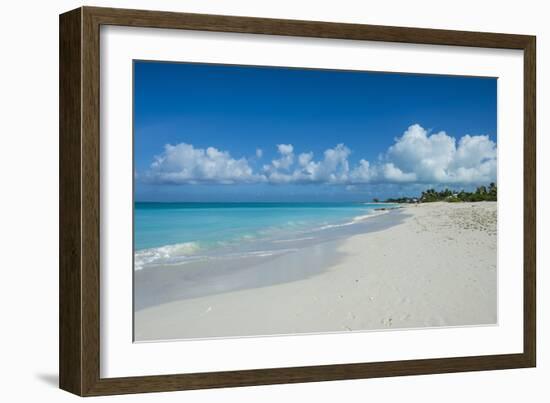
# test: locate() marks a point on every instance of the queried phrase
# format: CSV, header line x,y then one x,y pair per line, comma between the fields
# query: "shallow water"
x,y
252,264
174,233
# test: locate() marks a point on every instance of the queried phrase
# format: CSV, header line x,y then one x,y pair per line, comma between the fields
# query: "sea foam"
x,y
164,254
354,220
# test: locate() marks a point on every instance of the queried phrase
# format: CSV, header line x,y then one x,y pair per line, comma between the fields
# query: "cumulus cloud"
x,y
436,158
394,174
332,168
416,157
287,157
183,163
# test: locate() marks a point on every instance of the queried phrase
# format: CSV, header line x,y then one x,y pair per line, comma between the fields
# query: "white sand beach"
x,y
436,267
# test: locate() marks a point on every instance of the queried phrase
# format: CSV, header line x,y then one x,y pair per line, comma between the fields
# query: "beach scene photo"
x,y
272,201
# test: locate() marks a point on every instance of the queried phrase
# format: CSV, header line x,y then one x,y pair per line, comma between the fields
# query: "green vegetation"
x,y
482,193
402,200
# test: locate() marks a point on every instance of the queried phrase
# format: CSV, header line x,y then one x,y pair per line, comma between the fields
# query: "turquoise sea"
x,y
176,233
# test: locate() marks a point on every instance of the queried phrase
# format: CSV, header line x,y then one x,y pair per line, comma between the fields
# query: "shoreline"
x,y
296,259
188,232
436,266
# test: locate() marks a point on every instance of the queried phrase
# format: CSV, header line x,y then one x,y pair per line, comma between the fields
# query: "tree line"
x,y
482,193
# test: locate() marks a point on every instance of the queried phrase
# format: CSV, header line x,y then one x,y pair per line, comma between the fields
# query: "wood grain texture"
x,y
80,201
90,202
316,29
70,274
319,373
530,203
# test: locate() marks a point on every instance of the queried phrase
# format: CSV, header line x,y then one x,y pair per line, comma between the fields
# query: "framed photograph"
x,y
248,201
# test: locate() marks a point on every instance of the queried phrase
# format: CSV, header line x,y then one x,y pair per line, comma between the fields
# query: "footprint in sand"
x,y
387,322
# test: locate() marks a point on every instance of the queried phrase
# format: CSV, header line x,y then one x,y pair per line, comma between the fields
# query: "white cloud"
x,y
435,158
333,168
183,163
305,158
287,157
285,149
417,157
393,174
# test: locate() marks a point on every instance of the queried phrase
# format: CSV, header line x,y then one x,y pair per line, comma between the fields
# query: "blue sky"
x,y
237,133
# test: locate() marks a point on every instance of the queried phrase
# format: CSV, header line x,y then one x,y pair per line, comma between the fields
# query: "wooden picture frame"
x,y
79,347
